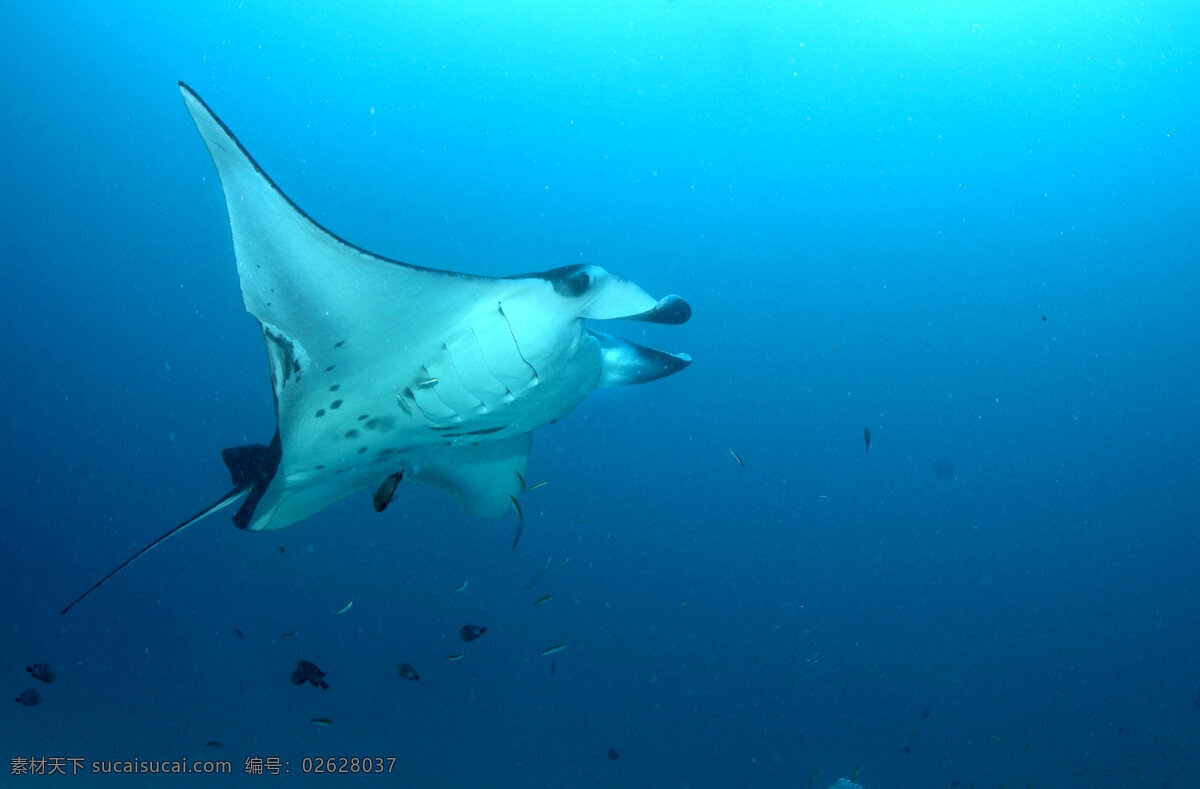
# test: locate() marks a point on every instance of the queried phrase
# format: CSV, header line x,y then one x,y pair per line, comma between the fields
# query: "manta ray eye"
x,y
578,283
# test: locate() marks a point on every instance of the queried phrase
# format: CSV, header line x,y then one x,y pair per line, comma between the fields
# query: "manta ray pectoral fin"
x,y
321,300
624,362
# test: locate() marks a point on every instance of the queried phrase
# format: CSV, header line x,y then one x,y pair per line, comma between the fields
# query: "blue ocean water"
x,y
969,227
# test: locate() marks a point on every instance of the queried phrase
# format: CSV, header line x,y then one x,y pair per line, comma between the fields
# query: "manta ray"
x,y
384,372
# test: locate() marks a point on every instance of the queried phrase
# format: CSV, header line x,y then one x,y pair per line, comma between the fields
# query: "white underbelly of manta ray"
x,y
385,372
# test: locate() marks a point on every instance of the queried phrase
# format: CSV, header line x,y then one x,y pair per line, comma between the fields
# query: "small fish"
x,y
516,505
407,671
471,632
321,722
543,600
427,382
854,775
737,457
552,650
537,485
30,698
291,634
383,496
463,586
925,713
521,479
813,778
282,550
541,572
237,631
214,744
453,658
517,535
565,561
41,671
867,437
612,754
344,608
308,672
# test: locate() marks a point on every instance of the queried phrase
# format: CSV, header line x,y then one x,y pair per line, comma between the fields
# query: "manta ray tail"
x,y
221,503
252,467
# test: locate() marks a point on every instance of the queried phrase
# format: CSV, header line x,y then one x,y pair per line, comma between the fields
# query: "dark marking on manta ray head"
x,y
335,405
320,413
335,387
351,433
572,281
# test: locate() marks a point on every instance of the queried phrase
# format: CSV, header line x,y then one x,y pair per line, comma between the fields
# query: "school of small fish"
x,y
308,673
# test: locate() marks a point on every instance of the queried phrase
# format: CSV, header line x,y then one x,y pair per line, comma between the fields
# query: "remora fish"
x,y
383,496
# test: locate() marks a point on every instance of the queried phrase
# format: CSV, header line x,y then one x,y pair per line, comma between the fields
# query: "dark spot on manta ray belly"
x,y
335,405
364,417
329,369
339,344
320,413
351,433
381,423
362,450
335,387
